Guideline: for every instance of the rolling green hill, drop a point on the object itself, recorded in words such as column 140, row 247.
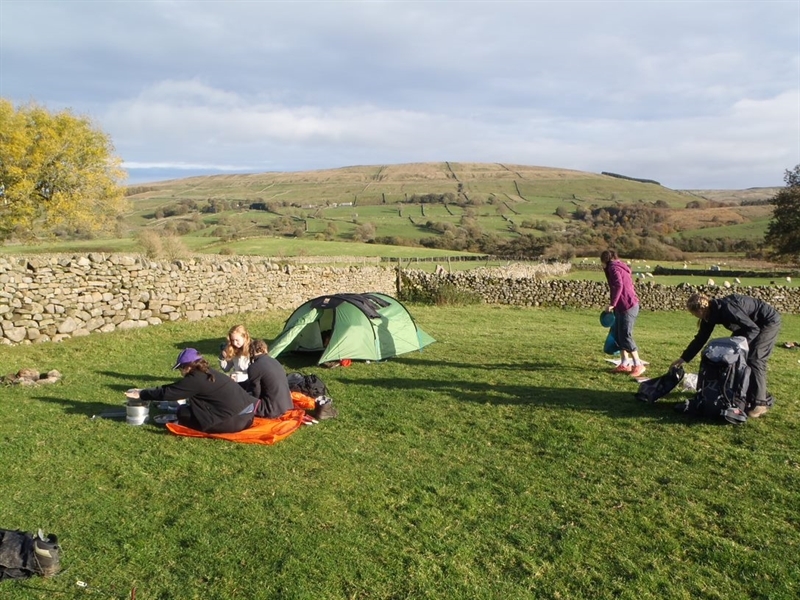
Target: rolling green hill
column 448, row 205
column 460, row 207
column 390, row 184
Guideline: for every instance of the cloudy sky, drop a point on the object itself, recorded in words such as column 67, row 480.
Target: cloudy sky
column 693, row 94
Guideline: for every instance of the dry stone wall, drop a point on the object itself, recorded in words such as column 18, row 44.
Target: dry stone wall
column 527, row 291
column 50, row 298
column 46, row 298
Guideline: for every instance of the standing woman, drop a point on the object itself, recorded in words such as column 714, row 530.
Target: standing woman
column 235, row 355
column 625, row 306
column 751, row 318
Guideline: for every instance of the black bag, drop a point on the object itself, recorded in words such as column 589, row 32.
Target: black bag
column 23, row 555
column 310, row 385
column 722, row 381
column 654, row 389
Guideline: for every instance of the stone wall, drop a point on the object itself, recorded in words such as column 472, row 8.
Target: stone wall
column 50, row 298
column 54, row 297
column 526, row 291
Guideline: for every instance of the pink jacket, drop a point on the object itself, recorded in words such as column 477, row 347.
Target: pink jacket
column 620, row 283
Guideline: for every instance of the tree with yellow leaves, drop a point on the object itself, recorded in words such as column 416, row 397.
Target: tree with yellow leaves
column 57, row 170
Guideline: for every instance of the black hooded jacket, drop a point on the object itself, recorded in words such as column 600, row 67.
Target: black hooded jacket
column 212, row 402
column 267, row 381
column 742, row 315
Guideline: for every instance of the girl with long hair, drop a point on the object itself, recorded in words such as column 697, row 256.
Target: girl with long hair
column 235, row 356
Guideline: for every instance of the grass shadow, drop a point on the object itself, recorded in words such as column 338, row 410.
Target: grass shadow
column 491, row 366
column 73, row 407
column 209, row 348
column 615, row 404
column 96, row 410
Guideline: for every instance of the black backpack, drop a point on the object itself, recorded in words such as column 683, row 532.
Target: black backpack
column 310, row 385
column 722, row 381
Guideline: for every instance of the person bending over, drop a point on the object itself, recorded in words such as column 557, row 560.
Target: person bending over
column 214, row 403
column 750, row 318
column 625, row 306
column 268, row 383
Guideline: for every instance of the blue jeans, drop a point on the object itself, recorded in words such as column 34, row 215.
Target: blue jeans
column 623, row 328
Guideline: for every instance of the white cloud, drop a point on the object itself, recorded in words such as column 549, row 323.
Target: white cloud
column 689, row 93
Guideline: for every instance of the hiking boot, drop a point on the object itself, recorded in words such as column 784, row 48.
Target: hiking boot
column 324, row 409
column 757, row 411
column 46, row 552
column 620, row 368
column 638, row 370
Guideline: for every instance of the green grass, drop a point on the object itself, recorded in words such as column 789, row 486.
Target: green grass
column 503, row 461
column 753, row 230
column 275, row 247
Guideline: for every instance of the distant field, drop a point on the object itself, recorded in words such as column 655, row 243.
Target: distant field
column 275, row 247
column 752, row 230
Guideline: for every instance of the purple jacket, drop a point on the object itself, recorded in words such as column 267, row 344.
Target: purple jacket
column 623, row 295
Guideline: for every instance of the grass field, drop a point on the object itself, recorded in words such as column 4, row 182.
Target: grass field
column 503, row 461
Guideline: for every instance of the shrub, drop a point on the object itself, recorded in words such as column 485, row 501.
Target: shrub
column 173, row 247
column 150, row 241
column 443, row 294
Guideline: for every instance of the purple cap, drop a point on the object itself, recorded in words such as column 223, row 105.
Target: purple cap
column 187, row 355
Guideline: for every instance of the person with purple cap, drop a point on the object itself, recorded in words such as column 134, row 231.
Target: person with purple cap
column 214, row 403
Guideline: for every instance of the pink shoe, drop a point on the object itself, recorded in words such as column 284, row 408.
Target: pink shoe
column 638, row 370
column 620, row 368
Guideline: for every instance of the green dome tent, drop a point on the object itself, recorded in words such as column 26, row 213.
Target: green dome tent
column 360, row 327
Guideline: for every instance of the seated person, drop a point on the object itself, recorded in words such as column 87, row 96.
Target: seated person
column 234, row 357
column 268, row 383
column 214, row 403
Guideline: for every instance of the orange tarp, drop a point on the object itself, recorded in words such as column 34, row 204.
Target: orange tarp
column 262, row 431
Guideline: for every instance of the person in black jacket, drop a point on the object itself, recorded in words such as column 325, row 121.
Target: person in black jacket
column 268, row 383
column 215, row 403
column 750, row 318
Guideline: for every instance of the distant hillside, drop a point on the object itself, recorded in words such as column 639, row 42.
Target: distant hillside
column 477, row 207
column 392, row 183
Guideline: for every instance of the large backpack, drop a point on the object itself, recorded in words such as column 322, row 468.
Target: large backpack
column 722, row 381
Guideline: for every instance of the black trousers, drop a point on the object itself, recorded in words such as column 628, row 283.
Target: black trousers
column 760, row 350
column 232, row 425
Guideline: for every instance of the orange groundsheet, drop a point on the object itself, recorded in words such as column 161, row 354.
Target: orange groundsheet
column 263, row 431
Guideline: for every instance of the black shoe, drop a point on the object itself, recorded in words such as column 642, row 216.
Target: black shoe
column 46, row 554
